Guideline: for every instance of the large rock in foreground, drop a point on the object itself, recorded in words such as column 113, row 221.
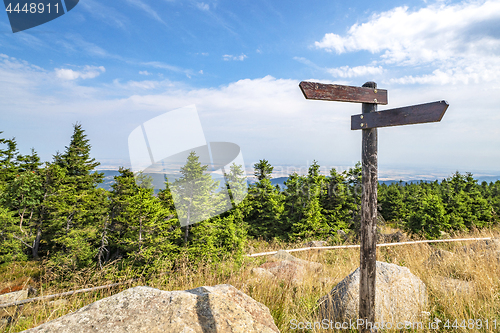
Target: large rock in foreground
column 221, row 308
column 400, row 296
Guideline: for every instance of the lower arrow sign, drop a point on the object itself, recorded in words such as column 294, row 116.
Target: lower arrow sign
column 415, row 114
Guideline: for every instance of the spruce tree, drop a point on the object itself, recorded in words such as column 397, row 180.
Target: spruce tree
column 195, row 194
column 113, row 243
column 464, row 202
column 263, row 170
column 266, row 202
column 12, row 248
column 494, row 199
column 166, row 198
column 77, row 162
column 353, row 187
column 293, row 202
column 429, row 217
column 150, row 229
column 29, row 162
column 8, row 161
column 51, row 178
column 391, row 204
column 78, row 208
column 336, row 203
column 311, row 222
column 22, row 196
column 141, row 227
column 233, row 230
column 236, row 184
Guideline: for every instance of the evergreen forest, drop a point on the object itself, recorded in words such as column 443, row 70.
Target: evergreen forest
column 55, row 212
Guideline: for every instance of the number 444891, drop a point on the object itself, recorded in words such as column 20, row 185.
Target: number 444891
column 33, row 8
column 471, row 324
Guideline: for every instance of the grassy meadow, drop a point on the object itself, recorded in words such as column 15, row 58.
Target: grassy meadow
column 287, row 302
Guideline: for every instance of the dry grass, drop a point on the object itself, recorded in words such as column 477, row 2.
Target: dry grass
column 287, row 301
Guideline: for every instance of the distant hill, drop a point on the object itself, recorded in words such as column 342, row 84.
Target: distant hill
column 110, row 174
column 481, row 179
column 275, row 181
column 108, row 179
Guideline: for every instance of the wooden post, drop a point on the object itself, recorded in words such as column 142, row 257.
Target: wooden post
column 368, row 219
column 368, row 122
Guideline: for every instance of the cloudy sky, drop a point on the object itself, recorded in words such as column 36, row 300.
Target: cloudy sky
column 113, row 65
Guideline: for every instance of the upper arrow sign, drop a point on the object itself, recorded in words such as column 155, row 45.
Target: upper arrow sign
column 335, row 92
column 415, row 114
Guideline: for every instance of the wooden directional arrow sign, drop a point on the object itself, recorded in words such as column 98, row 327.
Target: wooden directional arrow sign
column 415, row 114
column 334, row 92
column 368, row 122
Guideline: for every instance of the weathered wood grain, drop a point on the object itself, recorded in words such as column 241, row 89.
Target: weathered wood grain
column 415, row 114
column 334, row 92
column 369, row 121
column 368, row 248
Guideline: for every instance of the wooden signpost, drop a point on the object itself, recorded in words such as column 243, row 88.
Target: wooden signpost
column 368, row 121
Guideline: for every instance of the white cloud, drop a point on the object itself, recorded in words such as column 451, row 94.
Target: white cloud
column 473, row 73
column 228, row 57
column 145, row 73
column 344, row 71
column 306, row 62
column 106, row 14
column 88, row 72
column 136, row 86
column 147, row 9
column 451, row 38
column 267, row 117
column 348, row 72
column 203, row 6
column 158, row 64
column 75, row 40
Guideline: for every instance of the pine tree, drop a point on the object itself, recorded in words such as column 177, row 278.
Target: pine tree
column 236, row 184
column 311, row 222
column 429, row 217
column 141, row 227
column 29, row 162
column 233, row 230
column 78, row 208
column 51, row 179
column 77, row 162
column 23, row 196
column 149, row 231
column 391, row 203
column 8, row 162
column 113, row 243
column 11, row 247
column 353, row 187
column 293, row 202
column 494, row 199
column 464, row 203
column 263, row 170
column 335, row 202
column 166, row 198
column 195, row 194
column 266, row 202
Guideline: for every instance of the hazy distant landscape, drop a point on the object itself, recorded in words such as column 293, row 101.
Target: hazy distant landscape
column 110, row 174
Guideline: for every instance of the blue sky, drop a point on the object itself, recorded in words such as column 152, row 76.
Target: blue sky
column 113, row 65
